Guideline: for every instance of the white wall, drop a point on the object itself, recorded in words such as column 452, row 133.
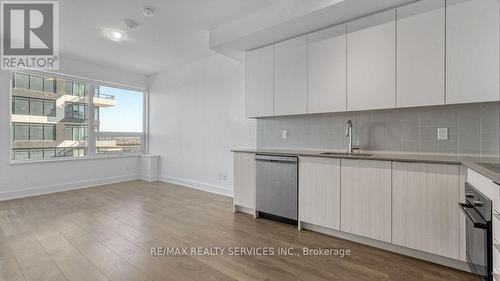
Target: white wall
column 17, row 180
column 197, row 115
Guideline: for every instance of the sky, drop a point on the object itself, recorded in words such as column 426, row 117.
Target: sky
column 126, row 116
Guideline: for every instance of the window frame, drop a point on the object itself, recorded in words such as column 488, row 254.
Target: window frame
column 91, row 149
column 39, row 74
column 29, row 112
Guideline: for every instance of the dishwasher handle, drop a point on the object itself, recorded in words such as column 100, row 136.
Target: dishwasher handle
column 273, row 158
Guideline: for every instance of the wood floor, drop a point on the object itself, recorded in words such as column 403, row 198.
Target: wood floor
column 106, row 233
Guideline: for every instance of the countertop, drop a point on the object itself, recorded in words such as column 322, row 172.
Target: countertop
column 470, row 162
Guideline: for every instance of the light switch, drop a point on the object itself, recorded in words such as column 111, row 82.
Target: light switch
column 442, row 133
column 284, row 134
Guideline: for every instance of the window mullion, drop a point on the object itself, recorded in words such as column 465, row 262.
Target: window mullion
column 91, row 141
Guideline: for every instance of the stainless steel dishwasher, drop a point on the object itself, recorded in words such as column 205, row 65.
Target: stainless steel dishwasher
column 276, row 187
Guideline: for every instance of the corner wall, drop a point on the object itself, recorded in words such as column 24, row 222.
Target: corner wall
column 27, row 179
column 197, row 115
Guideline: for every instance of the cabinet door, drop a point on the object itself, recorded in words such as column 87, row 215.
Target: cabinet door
column 420, row 53
column 371, row 62
column 319, row 191
column 290, row 76
column 327, row 70
column 472, row 51
column 244, row 180
column 366, row 198
column 425, row 215
column 259, row 82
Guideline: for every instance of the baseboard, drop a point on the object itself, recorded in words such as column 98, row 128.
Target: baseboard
column 198, row 185
column 244, row 210
column 449, row 262
column 149, row 178
column 34, row 191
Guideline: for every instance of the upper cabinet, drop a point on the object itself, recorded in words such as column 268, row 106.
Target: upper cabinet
column 472, row 51
column 371, row 62
column 259, row 82
column 290, row 76
column 420, row 54
column 430, row 52
column 327, row 70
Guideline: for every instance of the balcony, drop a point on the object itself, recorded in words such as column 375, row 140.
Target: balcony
column 103, row 100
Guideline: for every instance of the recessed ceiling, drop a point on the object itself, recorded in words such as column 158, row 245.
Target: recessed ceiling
column 176, row 34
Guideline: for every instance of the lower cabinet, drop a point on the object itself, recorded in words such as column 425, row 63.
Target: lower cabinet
column 244, row 179
column 366, row 198
column 319, row 191
column 425, row 209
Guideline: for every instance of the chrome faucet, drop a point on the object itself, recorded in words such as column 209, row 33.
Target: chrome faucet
column 348, row 133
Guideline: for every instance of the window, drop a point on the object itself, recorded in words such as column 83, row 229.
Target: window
column 21, row 132
column 49, row 85
column 36, row 132
column 49, row 153
column 76, row 133
column 33, row 154
column 75, row 110
column 49, row 132
column 120, row 127
column 33, row 132
column 21, row 154
column 21, row 81
column 49, row 108
column 36, row 107
column 97, row 119
column 20, row 106
column 36, row 154
column 34, row 82
column 74, row 88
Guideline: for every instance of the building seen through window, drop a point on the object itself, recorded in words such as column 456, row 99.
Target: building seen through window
column 51, row 117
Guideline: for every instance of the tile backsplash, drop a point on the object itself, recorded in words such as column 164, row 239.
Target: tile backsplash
column 473, row 129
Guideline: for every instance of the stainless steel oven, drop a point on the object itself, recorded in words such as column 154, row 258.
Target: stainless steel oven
column 477, row 209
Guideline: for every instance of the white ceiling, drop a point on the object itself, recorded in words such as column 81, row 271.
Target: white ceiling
column 180, row 30
column 178, row 33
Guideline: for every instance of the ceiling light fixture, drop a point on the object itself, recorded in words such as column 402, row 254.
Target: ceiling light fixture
column 148, row 12
column 114, row 34
column 130, row 24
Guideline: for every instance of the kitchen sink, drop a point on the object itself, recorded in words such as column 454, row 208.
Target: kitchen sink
column 346, row 154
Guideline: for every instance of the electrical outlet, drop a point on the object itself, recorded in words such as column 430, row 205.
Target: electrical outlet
column 442, row 133
column 284, row 134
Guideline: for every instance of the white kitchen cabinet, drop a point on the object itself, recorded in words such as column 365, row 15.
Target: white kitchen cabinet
column 244, row 180
column 319, row 191
column 371, row 62
column 425, row 213
column 472, row 51
column 366, row 198
column 290, row 76
column 327, row 70
column 421, row 54
column 259, row 83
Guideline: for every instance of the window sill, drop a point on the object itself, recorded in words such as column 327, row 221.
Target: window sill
column 64, row 159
